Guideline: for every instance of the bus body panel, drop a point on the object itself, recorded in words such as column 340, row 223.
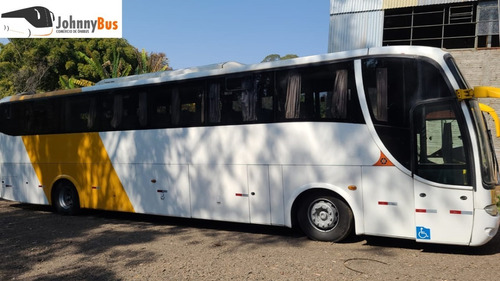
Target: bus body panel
column 388, row 202
column 260, row 194
column 312, row 143
column 82, row 159
column 18, row 178
column 218, row 174
column 220, row 192
column 160, row 189
column 443, row 215
column 276, row 195
column 19, row 183
column 485, row 227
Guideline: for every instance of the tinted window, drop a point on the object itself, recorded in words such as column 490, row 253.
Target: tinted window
column 318, row 93
column 241, row 99
column 80, row 114
column 187, row 104
column 313, row 93
column 392, row 87
column 441, row 155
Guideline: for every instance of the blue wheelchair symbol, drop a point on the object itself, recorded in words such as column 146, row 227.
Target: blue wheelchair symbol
column 423, row 233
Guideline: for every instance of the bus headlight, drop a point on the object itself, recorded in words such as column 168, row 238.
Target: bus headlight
column 491, row 210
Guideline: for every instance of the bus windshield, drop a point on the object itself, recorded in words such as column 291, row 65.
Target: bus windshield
column 488, row 161
column 489, row 165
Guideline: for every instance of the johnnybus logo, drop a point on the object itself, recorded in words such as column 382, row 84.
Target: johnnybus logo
column 84, row 26
column 62, row 20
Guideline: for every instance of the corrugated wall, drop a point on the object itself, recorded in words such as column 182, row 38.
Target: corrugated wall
column 358, row 24
column 353, row 6
column 355, row 31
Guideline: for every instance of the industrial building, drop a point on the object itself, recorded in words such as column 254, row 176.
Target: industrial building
column 467, row 29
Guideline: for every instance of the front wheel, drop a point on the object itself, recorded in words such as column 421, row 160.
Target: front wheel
column 65, row 199
column 325, row 217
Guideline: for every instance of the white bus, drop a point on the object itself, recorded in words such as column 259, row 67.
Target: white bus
column 386, row 141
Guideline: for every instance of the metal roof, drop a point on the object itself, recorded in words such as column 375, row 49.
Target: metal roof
column 354, row 6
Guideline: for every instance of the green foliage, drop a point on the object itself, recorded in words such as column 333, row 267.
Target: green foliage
column 106, row 58
column 153, row 62
column 71, row 83
column 276, row 57
column 289, row 56
column 41, row 65
column 38, row 64
column 94, row 63
column 66, row 82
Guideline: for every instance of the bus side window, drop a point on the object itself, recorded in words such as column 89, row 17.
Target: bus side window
column 265, row 94
column 318, row 93
column 214, row 102
column 293, row 90
column 239, row 100
column 378, row 95
column 132, row 102
column 13, row 121
column 6, row 123
column 42, row 117
column 29, row 118
column 142, row 109
column 336, row 102
column 390, row 85
column 79, row 114
column 440, row 150
column 105, row 111
column 117, row 110
column 187, row 105
column 159, row 108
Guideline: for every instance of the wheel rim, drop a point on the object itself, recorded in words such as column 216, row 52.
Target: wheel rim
column 65, row 198
column 323, row 215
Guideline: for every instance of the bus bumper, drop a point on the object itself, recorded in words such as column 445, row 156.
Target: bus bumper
column 485, row 227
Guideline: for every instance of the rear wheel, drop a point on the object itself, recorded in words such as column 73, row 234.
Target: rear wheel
column 65, row 198
column 325, row 218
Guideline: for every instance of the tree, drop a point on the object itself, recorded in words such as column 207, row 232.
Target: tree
column 110, row 58
column 117, row 68
column 276, row 57
column 39, row 64
column 153, row 62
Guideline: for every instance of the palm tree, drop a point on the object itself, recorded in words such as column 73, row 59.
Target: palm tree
column 153, row 62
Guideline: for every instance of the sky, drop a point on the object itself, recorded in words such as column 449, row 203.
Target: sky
column 200, row 32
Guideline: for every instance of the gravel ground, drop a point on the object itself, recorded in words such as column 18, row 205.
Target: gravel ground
column 36, row 244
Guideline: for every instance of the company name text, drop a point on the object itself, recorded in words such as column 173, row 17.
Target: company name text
column 99, row 24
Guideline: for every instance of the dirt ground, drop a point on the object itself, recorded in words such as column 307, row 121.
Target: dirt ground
column 37, row 244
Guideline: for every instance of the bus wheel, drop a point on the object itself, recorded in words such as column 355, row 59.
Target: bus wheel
column 325, row 217
column 65, row 198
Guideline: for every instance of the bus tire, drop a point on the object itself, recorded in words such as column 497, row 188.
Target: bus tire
column 324, row 217
column 65, row 198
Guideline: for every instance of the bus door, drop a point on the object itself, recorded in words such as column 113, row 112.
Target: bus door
column 443, row 188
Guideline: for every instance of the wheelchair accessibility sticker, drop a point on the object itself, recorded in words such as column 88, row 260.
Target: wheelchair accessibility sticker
column 423, row 233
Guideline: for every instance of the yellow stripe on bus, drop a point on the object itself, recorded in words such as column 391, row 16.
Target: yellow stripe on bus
column 82, row 159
